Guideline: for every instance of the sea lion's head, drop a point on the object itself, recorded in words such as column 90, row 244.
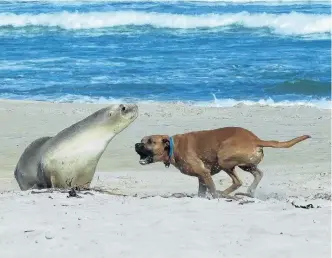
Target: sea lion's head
column 114, row 118
column 153, row 148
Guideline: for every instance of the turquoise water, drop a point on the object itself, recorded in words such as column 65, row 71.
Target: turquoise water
column 211, row 52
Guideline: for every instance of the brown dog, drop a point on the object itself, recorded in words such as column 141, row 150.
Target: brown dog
column 205, row 153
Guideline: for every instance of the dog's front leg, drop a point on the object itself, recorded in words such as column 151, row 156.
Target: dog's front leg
column 201, row 188
column 196, row 167
column 208, row 182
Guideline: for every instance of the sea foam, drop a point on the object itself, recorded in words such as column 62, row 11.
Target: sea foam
column 322, row 103
column 287, row 24
column 260, row 2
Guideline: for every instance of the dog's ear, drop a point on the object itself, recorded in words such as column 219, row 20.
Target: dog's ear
column 166, row 143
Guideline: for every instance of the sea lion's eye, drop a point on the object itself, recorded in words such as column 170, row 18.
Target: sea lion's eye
column 149, row 141
column 110, row 114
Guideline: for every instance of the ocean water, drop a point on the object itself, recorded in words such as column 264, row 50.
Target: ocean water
column 209, row 52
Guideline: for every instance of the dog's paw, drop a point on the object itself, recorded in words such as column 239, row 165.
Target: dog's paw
column 244, row 194
column 221, row 194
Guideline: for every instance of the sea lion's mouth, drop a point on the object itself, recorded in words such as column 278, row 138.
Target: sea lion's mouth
column 146, row 156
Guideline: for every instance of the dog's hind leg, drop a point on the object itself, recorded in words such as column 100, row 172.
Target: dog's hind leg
column 258, row 175
column 236, row 182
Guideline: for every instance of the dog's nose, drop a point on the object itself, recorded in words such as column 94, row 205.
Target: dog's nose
column 139, row 146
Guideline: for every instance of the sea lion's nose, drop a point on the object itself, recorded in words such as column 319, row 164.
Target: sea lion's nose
column 122, row 107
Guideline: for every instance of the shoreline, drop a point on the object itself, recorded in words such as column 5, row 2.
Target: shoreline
column 322, row 103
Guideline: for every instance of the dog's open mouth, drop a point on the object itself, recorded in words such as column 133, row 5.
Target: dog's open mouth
column 144, row 159
column 146, row 156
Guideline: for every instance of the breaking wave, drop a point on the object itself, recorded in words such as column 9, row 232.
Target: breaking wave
column 261, row 2
column 287, row 24
column 179, row 1
column 322, row 103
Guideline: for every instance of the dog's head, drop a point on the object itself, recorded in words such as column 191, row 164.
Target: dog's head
column 153, row 148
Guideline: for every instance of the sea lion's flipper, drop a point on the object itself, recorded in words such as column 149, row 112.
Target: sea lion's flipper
column 27, row 168
column 44, row 180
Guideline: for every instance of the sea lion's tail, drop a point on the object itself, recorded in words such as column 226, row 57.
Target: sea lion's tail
column 287, row 144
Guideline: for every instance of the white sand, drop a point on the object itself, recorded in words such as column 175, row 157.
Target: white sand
column 100, row 225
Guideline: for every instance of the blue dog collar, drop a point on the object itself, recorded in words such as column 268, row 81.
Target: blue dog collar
column 171, row 147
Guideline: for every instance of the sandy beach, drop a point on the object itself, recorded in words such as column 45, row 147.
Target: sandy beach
column 100, row 225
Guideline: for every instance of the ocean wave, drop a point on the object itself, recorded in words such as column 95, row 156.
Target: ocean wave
column 302, row 87
column 288, row 24
column 261, row 2
column 322, row 103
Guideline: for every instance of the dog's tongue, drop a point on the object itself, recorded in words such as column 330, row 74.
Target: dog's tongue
column 143, row 161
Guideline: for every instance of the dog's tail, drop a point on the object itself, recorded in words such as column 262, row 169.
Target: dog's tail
column 287, row 144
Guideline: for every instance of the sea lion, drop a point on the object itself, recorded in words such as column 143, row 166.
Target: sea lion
column 69, row 159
